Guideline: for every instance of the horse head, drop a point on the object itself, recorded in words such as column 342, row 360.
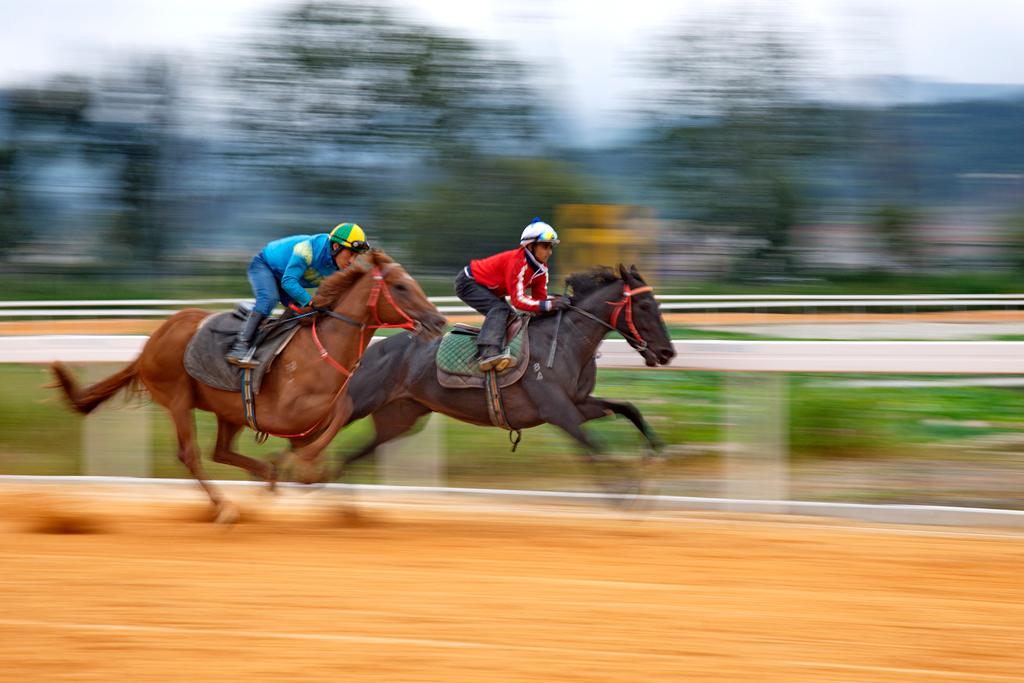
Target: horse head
column 639, row 319
column 390, row 296
column 634, row 314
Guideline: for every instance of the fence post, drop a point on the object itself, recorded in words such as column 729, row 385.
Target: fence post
column 417, row 459
column 757, row 436
column 116, row 437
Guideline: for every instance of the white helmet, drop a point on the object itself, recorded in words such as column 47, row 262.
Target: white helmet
column 538, row 231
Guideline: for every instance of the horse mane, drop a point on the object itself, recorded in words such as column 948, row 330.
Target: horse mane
column 334, row 286
column 589, row 281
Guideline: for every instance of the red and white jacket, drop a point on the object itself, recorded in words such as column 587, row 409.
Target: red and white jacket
column 511, row 274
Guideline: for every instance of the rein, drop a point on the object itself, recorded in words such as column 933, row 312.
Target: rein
column 379, row 286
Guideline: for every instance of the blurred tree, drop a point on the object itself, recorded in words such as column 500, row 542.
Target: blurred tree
column 11, row 230
column 38, row 125
column 734, row 120
column 134, row 135
column 344, row 98
column 895, row 226
column 1013, row 226
column 482, row 207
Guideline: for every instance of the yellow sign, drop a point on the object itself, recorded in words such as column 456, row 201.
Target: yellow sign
column 604, row 235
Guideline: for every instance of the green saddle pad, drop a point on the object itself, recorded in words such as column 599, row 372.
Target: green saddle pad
column 457, row 354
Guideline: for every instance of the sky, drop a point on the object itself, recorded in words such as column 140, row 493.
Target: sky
column 584, row 46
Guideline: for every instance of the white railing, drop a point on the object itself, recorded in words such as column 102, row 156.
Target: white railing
column 892, row 357
column 94, row 308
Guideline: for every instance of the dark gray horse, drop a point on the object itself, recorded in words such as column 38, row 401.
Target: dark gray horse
column 397, row 383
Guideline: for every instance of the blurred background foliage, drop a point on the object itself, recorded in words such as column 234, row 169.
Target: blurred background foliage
column 737, row 162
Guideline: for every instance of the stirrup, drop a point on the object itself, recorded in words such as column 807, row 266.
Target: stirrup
column 244, row 361
column 498, row 363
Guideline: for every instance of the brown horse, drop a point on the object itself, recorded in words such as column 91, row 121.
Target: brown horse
column 299, row 391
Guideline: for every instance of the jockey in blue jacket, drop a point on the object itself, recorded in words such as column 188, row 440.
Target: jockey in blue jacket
column 286, row 267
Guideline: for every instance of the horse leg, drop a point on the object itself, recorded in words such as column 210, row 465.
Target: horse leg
column 593, row 407
column 304, row 455
column 389, row 422
column 188, row 454
column 223, row 453
column 557, row 408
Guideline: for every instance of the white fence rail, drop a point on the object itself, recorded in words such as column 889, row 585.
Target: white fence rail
column 94, row 308
column 938, row 357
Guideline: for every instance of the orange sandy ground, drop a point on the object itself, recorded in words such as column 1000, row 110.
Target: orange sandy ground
column 145, row 326
column 432, row 591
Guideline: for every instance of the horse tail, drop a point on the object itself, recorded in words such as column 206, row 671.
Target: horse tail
column 86, row 400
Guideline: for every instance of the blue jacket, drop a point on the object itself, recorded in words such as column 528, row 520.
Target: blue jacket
column 298, row 262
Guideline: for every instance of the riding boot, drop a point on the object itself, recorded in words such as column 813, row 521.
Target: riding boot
column 491, row 340
column 238, row 355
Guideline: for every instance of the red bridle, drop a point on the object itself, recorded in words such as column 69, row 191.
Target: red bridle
column 380, row 286
column 626, row 303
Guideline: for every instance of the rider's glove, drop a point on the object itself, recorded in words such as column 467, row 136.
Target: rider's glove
column 559, row 303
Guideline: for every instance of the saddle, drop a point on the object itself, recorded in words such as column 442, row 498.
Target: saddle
column 204, row 356
column 457, row 363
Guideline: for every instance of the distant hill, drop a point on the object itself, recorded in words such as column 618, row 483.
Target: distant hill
column 890, row 91
column 956, row 153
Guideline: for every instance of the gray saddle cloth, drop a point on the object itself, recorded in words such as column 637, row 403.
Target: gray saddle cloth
column 204, row 356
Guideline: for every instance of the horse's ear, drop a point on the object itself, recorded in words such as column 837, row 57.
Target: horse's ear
column 623, row 274
column 634, row 272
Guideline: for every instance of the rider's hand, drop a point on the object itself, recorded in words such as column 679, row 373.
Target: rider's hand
column 300, row 312
column 559, row 303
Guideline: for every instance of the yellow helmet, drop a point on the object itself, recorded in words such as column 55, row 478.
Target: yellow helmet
column 350, row 236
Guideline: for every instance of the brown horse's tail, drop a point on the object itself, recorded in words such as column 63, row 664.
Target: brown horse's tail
column 86, row 400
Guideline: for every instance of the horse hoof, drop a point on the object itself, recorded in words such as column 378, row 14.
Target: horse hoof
column 309, row 472
column 653, row 459
column 272, row 478
column 226, row 514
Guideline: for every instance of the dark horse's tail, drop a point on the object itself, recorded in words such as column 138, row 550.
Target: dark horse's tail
column 86, row 400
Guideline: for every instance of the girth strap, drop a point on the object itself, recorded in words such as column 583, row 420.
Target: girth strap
column 496, row 408
column 249, row 405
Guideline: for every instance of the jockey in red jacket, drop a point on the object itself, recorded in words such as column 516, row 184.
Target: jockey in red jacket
column 521, row 275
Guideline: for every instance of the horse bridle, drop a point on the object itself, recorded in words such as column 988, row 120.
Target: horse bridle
column 625, row 303
column 380, row 286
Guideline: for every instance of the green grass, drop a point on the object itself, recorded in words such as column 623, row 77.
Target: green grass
column 38, row 435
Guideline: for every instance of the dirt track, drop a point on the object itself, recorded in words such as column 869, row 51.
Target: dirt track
column 462, row 592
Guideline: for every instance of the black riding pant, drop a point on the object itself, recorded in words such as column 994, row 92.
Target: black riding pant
column 495, row 309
